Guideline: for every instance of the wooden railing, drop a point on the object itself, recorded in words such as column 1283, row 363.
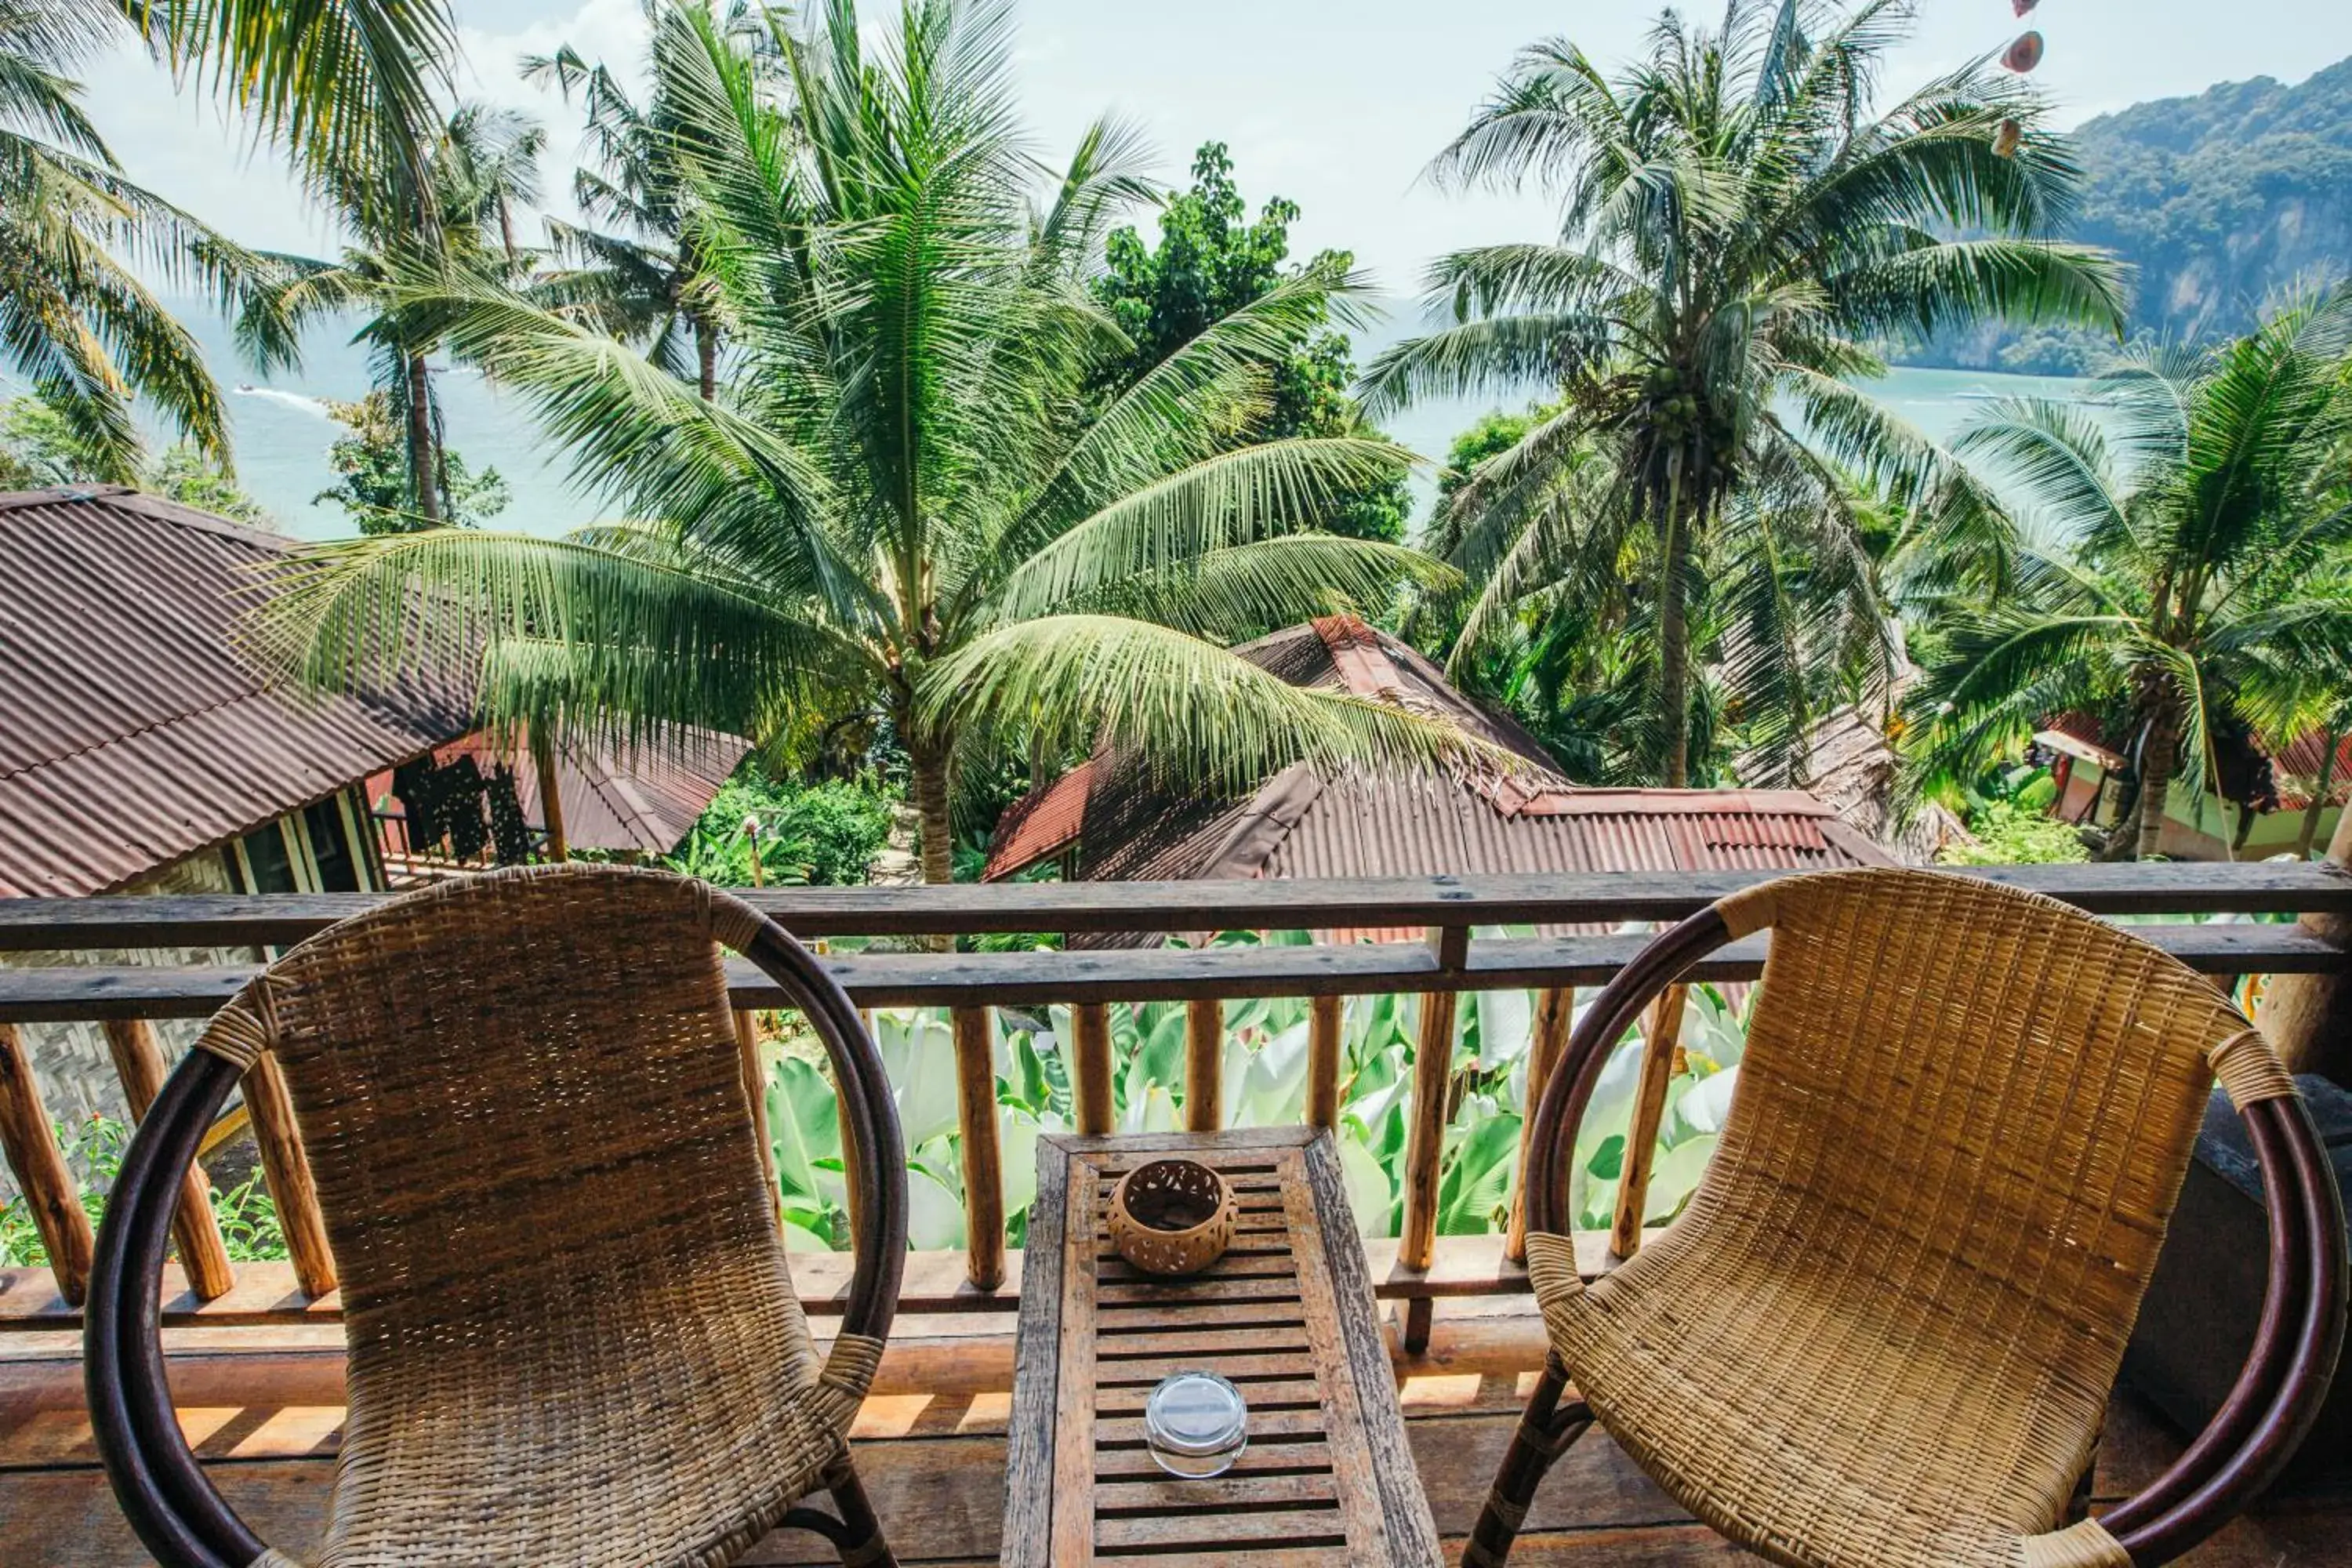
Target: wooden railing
column 1415, row 1268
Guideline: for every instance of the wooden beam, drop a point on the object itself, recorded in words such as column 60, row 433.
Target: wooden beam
column 288, row 1169
column 1601, row 898
column 30, row 1141
column 75, row 993
column 983, row 1157
column 1325, row 1017
column 1090, row 1069
column 755, row 1090
column 1662, row 1036
column 1555, row 1011
column 1204, row 1064
column 139, row 1066
column 550, row 793
column 2309, row 1017
column 1433, row 1072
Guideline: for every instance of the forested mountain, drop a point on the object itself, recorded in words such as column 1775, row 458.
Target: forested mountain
column 2220, row 201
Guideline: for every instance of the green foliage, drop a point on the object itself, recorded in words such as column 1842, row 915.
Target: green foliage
column 40, row 446
column 1743, row 215
column 826, row 833
column 1210, row 262
column 373, row 460
column 248, row 1220
column 2014, row 833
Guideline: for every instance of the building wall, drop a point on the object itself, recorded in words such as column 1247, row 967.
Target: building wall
column 2201, row 829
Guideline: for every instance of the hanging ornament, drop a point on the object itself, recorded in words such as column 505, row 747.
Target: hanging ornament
column 2023, row 6
column 2024, row 54
column 2006, row 139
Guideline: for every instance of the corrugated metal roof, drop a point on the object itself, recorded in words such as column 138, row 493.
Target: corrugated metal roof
column 131, row 733
column 2296, row 768
column 646, row 799
column 1299, row 824
column 1041, row 824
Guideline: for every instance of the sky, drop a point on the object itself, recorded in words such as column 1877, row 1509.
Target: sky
column 1341, row 115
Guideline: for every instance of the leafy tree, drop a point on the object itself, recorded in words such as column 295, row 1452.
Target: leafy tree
column 2201, row 573
column 1211, row 261
column 903, row 498
column 373, row 488
column 40, row 446
column 481, row 164
column 1740, row 219
column 2009, row 833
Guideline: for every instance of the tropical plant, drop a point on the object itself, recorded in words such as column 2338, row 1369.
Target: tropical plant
column 826, row 833
column 2189, row 566
column 371, row 462
column 41, row 446
column 1210, row 261
column 1741, row 218
column 902, row 499
column 477, row 168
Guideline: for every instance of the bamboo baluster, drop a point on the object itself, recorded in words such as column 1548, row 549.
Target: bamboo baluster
column 1204, row 1064
column 30, row 1141
column 1323, row 1015
column 1555, row 1009
column 204, row 1257
column 2309, row 1017
column 755, row 1090
column 1090, row 1066
column 1432, row 1070
column 550, row 793
column 983, row 1158
column 288, row 1168
column 1661, row 1050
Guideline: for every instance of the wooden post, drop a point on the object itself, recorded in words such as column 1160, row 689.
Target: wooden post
column 1090, row 1066
column 983, row 1158
column 288, row 1169
column 755, row 1090
column 204, row 1257
column 1323, row 1020
column 1432, row 1072
column 1661, row 1044
column 1204, row 1064
column 30, row 1141
column 2309, row 1017
column 1554, row 1010
column 550, row 793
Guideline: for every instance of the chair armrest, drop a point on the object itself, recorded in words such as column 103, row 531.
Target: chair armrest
column 2286, row 1377
column 172, row 1506
column 880, row 1175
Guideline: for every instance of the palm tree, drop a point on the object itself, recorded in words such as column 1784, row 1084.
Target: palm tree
column 2195, row 565
column 908, row 496
column 632, row 270
column 336, row 81
column 1741, row 222
column 481, row 164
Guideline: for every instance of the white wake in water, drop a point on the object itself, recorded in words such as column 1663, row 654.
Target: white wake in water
column 311, row 405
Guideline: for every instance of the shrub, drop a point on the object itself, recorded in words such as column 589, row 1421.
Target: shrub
column 826, row 833
column 2012, row 833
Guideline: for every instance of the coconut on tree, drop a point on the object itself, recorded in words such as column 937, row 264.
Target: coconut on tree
column 911, row 493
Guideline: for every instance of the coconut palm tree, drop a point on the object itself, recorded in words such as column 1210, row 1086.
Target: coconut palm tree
column 908, row 495
column 631, row 268
column 481, row 165
column 2194, row 562
column 1742, row 219
column 338, row 82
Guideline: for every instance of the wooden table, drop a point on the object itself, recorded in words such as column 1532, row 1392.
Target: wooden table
column 1286, row 1314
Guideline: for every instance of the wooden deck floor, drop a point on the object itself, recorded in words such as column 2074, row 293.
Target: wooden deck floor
column 265, row 1413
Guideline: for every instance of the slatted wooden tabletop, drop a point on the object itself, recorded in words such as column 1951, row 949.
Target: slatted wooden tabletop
column 1286, row 1314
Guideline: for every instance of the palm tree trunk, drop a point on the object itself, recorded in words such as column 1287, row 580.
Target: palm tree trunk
column 930, row 766
column 1673, row 643
column 706, row 351
column 2318, row 799
column 424, row 468
column 2156, row 759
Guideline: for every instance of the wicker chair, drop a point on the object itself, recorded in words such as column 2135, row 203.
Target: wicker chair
column 572, row 1335
column 1883, row 1332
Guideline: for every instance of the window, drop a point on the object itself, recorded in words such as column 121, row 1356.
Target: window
column 331, row 847
column 268, row 860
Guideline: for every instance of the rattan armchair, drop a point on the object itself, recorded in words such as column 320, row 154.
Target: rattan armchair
column 572, row 1335
column 1883, row 1331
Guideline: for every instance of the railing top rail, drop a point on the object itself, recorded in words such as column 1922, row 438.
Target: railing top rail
column 1569, row 898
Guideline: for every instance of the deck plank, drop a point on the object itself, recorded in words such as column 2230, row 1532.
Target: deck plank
column 931, row 1444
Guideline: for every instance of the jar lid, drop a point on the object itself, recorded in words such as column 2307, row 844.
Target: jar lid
column 1195, row 1413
